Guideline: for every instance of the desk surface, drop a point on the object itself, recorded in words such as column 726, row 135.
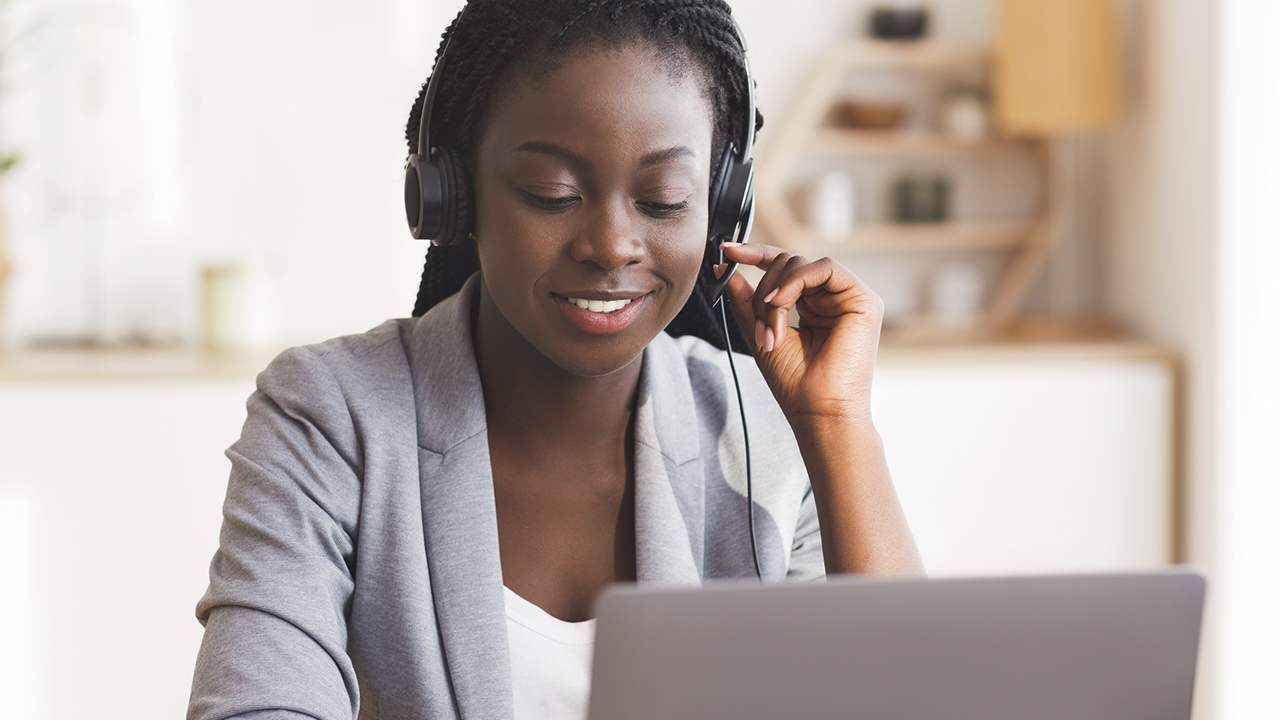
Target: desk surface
column 1132, row 350
column 126, row 364
column 189, row 364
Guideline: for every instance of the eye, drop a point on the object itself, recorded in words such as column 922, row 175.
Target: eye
column 656, row 209
column 550, row 203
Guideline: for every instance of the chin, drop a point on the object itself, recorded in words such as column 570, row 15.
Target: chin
column 595, row 359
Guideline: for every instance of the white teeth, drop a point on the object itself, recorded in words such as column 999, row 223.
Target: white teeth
column 599, row 306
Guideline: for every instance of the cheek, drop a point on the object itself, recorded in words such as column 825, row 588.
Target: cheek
column 512, row 247
column 680, row 256
column 689, row 249
column 688, row 256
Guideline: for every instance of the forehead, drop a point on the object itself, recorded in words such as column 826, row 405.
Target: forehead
column 632, row 95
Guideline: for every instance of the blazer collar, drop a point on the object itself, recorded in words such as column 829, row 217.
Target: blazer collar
column 670, row 491
column 460, row 523
column 445, row 378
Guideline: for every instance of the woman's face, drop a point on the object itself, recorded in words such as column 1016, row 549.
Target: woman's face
column 591, row 189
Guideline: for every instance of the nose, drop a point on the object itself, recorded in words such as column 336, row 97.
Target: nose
column 610, row 237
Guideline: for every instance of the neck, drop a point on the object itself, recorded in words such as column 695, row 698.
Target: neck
column 528, row 398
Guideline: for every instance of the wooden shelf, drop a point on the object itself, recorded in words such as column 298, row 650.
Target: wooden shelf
column 805, row 135
column 908, row 143
column 921, row 237
column 909, row 54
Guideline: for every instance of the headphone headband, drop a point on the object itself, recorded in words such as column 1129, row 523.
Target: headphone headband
column 437, row 196
column 429, row 101
column 749, row 129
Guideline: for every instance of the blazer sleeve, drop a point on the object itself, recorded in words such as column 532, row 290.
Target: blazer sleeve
column 280, row 584
column 806, row 563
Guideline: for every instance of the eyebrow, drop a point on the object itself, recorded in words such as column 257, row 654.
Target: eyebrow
column 546, row 148
column 656, row 157
column 660, row 156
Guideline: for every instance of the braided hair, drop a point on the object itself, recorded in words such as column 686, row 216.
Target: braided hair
column 492, row 35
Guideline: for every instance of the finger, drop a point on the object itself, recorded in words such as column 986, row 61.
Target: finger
column 766, row 305
column 739, row 294
column 754, row 254
column 825, row 289
column 808, row 278
column 758, row 320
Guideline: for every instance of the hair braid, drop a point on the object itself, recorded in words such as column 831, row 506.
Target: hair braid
column 590, row 8
column 492, row 35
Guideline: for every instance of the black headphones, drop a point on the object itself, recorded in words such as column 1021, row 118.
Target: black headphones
column 431, row 186
column 437, row 196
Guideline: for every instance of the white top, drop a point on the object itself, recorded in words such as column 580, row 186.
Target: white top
column 550, row 661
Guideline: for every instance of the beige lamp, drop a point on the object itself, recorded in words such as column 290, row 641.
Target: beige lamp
column 1056, row 77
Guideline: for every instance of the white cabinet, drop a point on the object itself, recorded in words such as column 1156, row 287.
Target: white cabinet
column 110, row 503
column 1025, row 460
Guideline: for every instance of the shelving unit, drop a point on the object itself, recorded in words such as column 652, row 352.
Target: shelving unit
column 916, row 237
column 806, row 136
column 899, row 143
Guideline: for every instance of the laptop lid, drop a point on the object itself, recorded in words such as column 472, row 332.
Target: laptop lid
column 1103, row 647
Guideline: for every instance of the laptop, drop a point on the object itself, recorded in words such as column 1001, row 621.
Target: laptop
column 1079, row 647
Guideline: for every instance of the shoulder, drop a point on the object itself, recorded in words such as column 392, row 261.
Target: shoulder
column 332, row 378
column 346, row 357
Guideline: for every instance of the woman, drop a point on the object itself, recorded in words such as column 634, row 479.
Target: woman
column 410, row 507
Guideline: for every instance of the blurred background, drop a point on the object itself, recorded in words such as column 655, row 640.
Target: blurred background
column 1069, row 206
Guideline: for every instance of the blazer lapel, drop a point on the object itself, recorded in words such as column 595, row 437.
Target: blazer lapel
column 670, row 499
column 459, row 519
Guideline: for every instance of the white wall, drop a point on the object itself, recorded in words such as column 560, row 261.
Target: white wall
column 1160, row 246
column 283, row 133
column 1248, row 343
column 1159, row 250
column 1194, row 246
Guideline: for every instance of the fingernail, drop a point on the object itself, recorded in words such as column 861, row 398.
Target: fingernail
column 768, row 339
column 769, row 298
column 719, row 270
column 760, row 330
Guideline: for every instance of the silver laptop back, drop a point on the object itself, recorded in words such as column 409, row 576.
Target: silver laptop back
column 1103, row 647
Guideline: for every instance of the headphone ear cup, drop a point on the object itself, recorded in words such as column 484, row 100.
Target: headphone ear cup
column 717, row 199
column 423, row 187
column 733, row 204
column 458, row 219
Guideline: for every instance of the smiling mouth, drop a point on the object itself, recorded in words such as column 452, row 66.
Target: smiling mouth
column 601, row 316
column 600, row 306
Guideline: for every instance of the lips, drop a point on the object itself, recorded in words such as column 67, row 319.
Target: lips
column 601, row 315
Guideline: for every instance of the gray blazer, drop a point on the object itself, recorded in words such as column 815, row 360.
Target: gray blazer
column 358, row 570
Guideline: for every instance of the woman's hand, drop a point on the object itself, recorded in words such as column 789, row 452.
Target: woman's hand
column 820, row 373
column 820, row 370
